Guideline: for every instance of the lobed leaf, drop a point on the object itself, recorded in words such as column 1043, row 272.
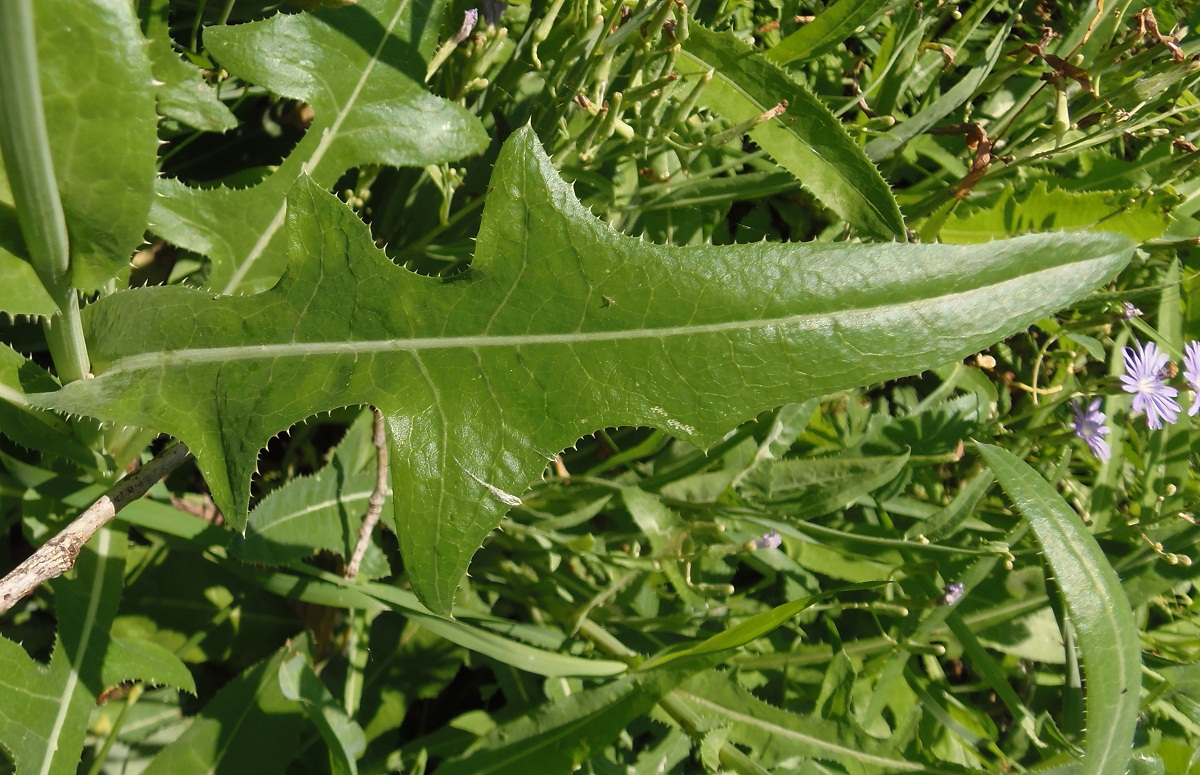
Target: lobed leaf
column 807, row 140
column 360, row 70
column 560, row 326
column 1105, row 629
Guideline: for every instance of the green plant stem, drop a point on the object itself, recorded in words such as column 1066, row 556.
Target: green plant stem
column 25, row 146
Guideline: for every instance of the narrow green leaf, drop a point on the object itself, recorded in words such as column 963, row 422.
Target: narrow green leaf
column 1106, row 631
column 825, row 33
column 362, row 76
column 343, row 736
column 499, row 647
column 752, row 628
column 963, row 89
column 946, row 521
column 249, row 726
column 485, row 377
column 558, row 737
column 807, row 140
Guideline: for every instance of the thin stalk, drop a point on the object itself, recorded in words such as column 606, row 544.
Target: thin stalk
column 25, row 146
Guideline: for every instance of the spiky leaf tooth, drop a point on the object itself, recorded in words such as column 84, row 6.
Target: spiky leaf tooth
column 360, row 70
column 483, row 378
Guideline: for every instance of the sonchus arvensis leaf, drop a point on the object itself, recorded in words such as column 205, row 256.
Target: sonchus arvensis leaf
column 560, row 326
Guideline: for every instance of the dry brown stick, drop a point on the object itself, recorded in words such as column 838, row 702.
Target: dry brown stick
column 57, row 556
column 375, row 502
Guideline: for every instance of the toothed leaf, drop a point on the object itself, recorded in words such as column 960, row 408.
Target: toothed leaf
column 360, row 70
column 1106, row 631
column 560, row 326
column 324, row 511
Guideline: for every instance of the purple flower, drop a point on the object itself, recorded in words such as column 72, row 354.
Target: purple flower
column 1145, row 376
column 952, row 593
column 1089, row 426
column 1191, row 372
column 470, row 19
column 769, row 540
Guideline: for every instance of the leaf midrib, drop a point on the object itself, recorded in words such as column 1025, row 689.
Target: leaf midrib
column 201, row 355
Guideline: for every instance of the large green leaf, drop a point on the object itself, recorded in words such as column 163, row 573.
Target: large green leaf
column 806, row 140
column 360, row 69
column 98, row 93
column 46, row 735
column 560, row 326
column 1105, row 629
